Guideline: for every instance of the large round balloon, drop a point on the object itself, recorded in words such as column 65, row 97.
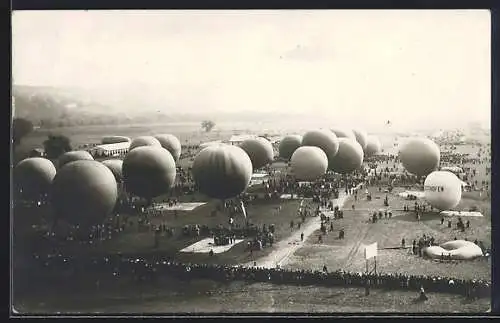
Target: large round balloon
column 349, row 156
column 288, row 145
column 341, row 132
column 373, row 146
column 114, row 139
column 260, row 151
column 170, row 143
column 443, row 190
column 84, row 192
column 33, row 177
column 222, row 171
column 309, row 163
column 324, row 139
column 72, row 156
column 420, row 156
column 115, row 166
column 148, row 172
column 144, row 141
column 361, row 137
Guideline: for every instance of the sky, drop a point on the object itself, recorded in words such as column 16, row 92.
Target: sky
column 410, row 67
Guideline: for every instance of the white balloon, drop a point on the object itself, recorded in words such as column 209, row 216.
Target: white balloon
column 443, row 190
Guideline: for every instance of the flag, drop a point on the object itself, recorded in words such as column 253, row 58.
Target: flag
column 371, row 251
column 243, row 209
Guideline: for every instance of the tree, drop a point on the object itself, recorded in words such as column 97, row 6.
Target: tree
column 56, row 145
column 20, row 128
column 208, row 125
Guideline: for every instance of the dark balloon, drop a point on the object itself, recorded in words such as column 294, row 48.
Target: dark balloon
column 115, row 166
column 288, row 145
column 343, row 132
column 149, row 172
column 33, row 176
column 84, row 192
column 114, row 140
column 324, row 139
column 144, row 141
column 260, row 151
column 349, row 157
column 170, row 143
column 361, row 137
column 373, row 146
column 222, row 171
column 309, row 163
column 420, row 156
column 71, row 156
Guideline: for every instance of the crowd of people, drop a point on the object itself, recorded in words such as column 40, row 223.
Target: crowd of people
column 142, row 269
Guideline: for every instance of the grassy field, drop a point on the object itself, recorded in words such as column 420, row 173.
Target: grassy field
column 347, row 254
column 238, row 297
column 344, row 254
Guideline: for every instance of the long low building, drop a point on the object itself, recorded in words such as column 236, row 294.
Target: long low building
column 108, row 150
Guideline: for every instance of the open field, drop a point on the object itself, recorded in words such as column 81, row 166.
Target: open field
column 237, row 297
column 347, row 254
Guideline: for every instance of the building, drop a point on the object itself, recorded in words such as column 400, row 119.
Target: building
column 238, row 139
column 110, row 150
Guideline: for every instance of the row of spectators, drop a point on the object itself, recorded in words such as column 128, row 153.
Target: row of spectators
column 142, row 269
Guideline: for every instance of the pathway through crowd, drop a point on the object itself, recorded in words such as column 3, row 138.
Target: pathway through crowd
column 286, row 248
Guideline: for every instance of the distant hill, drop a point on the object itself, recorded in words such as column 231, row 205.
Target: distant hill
column 49, row 107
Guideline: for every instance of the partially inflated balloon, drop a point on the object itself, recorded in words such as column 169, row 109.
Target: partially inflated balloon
column 373, row 146
column 72, row 156
column 144, row 141
column 115, row 166
column 288, row 145
column 114, row 140
column 222, row 171
column 260, row 151
column 309, row 163
column 361, row 137
column 149, row 172
column 443, row 190
column 341, row 132
column 33, row 177
column 84, row 192
column 420, row 156
column 324, row 139
column 349, row 156
column 170, row 143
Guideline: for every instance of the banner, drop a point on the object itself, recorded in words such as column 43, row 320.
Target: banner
column 243, row 209
column 371, row 251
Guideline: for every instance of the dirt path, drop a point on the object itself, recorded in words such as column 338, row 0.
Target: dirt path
column 286, row 248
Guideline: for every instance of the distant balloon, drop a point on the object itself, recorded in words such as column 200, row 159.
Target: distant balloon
column 260, row 151
column 361, row 137
column 115, row 166
column 75, row 155
column 349, row 156
column 84, row 192
column 33, row 176
column 222, row 171
column 373, row 146
column 443, row 190
column 309, row 163
column 170, row 143
column 420, row 156
column 324, row 139
column 148, row 171
column 288, row 145
column 343, row 132
column 144, row 141
column 114, row 140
